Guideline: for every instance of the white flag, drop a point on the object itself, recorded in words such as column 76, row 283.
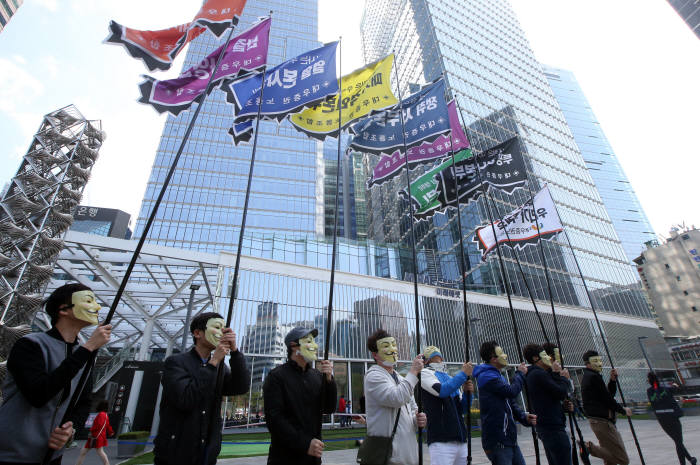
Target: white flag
column 518, row 228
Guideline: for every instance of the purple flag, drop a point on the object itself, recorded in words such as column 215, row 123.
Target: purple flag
column 245, row 54
column 390, row 165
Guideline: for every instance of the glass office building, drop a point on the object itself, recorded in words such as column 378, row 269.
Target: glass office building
column 621, row 203
column 7, row 9
column 203, row 205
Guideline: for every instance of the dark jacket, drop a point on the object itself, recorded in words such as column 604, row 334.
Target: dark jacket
column 444, row 406
column 498, row 407
column 293, row 411
column 663, row 403
column 189, row 386
column 599, row 400
column 547, row 391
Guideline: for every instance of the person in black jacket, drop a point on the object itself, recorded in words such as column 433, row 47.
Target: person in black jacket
column 668, row 414
column 601, row 408
column 294, row 395
column 548, row 385
column 186, row 435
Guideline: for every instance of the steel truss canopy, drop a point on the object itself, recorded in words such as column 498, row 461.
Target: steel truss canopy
column 158, row 290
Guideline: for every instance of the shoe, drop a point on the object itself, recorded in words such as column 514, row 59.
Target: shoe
column 693, row 461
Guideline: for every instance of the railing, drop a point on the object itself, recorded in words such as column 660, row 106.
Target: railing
column 105, row 372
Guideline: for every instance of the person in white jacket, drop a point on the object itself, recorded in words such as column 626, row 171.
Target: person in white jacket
column 387, row 393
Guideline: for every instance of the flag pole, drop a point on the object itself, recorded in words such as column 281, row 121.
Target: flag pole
column 602, row 336
column 127, row 274
column 234, row 281
column 327, row 334
column 506, row 285
column 419, row 396
column 464, row 296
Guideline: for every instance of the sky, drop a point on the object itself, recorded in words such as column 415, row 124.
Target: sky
column 636, row 60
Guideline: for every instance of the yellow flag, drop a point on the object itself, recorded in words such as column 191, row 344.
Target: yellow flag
column 364, row 91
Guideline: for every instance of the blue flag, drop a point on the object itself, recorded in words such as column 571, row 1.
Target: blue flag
column 425, row 117
column 290, row 87
column 241, row 132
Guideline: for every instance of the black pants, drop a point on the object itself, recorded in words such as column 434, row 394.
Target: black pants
column 672, row 426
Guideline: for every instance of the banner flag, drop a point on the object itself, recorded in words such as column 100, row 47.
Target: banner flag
column 301, row 82
column 241, row 132
column 245, row 54
column 219, row 15
column 158, row 49
column 424, row 194
column 425, row 117
column 520, row 225
column 365, row 91
column 502, row 167
column 390, row 165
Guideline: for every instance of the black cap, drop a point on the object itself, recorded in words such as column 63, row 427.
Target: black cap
column 297, row 333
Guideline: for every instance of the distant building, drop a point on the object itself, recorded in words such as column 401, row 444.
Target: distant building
column 670, row 273
column 686, row 354
column 387, row 313
column 102, row 221
column 7, row 10
column 689, row 10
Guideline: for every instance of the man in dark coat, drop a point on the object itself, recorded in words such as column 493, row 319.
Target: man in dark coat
column 601, row 408
column 295, row 393
column 44, row 370
column 548, row 385
column 186, row 433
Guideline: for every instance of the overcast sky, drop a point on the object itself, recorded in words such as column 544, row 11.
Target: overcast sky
column 637, row 62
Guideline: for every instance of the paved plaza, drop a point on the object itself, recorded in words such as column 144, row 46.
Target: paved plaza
column 657, row 447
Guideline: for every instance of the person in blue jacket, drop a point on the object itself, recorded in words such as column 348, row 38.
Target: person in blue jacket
column 445, row 408
column 499, row 410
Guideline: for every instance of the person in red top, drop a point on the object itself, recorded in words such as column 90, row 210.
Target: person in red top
column 98, row 434
column 341, row 409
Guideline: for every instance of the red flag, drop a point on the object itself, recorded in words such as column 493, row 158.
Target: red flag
column 158, row 49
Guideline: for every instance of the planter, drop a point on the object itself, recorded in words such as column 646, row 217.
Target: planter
column 132, row 443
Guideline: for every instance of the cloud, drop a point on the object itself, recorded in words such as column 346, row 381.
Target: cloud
column 51, row 5
column 18, row 90
column 50, row 64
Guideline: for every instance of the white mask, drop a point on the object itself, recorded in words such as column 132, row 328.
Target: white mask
column 439, row 366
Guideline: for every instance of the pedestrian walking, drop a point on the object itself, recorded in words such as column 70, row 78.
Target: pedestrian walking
column 601, row 408
column 43, row 374
column 97, row 439
column 668, row 414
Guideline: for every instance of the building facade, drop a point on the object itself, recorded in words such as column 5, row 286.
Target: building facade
column 103, row 221
column 623, row 207
column 203, row 206
column 689, row 10
column 670, row 273
column 7, row 9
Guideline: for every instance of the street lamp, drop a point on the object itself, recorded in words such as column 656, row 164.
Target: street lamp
column 639, row 339
column 183, row 344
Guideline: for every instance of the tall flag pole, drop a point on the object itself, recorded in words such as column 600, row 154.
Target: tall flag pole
column 604, row 339
column 329, row 317
column 415, row 263
column 463, row 268
column 237, row 266
column 506, row 284
column 117, row 297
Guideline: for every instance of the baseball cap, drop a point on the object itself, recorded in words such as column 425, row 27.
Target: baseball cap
column 297, row 333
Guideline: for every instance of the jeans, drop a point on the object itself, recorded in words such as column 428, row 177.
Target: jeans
column 448, row 453
column 557, row 447
column 505, row 455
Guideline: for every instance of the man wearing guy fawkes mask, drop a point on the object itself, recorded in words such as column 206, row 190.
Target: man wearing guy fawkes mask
column 601, row 408
column 445, row 406
column 189, row 390
column 548, row 385
column 43, row 374
column 295, row 394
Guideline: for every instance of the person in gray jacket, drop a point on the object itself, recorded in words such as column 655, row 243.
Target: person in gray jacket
column 43, row 373
column 388, row 394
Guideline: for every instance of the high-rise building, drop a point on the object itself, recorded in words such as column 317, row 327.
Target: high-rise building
column 204, row 203
column 7, row 10
column 623, row 207
column 689, row 10
column 481, row 51
column 102, row 221
column 671, row 275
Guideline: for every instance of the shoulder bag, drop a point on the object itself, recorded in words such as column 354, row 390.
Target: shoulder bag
column 376, row 450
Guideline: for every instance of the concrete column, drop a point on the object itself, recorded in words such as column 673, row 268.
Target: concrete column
column 156, row 413
column 138, row 375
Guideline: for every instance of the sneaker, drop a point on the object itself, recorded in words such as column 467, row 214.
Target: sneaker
column 693, row 461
